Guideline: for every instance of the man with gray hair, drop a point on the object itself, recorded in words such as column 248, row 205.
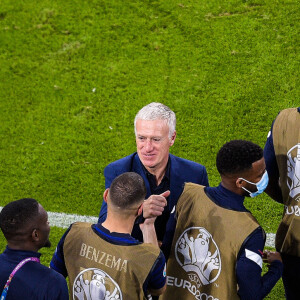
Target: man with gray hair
column 164, row 174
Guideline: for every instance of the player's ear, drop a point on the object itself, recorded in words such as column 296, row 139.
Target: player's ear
column 140, row 210
column 239, row 182
column 173, row 137
column 105, row 195
column 35, row 235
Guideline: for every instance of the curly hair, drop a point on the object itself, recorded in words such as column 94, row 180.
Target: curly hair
column 238, row 156
column 16, row 215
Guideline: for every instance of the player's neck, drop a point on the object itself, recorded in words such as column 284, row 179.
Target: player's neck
column 26, row 246
column 117, row 224
column 231, row 186
column 158, row 173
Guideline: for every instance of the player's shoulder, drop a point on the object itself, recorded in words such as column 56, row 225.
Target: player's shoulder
column 48, row 274
column 81, row 225
column 150, row 249
column 186, row 162
column 123, row 163
column 285, row 113
column 55, row 280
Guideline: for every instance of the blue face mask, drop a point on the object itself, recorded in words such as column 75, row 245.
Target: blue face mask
column 261, row 185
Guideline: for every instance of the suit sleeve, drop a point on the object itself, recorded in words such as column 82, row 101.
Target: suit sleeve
column 204, row 179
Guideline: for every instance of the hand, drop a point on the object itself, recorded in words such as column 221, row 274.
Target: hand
column 270, row 256
column 155, row 205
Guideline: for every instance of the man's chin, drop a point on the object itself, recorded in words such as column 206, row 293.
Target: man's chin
column 148, row 163
column 149, row 166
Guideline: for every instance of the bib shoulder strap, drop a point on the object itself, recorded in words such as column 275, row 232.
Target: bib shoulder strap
column 15, row 270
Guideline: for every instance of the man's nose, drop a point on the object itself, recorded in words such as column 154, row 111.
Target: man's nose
column 148, row 145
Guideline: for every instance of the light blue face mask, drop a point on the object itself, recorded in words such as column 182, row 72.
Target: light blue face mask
column 261, row 185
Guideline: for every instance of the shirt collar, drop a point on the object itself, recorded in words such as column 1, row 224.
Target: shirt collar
column 115, row 237
column 21, row 253
column 226, row 198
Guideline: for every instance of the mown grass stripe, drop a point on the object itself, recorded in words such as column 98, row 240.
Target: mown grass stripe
column 63, row 220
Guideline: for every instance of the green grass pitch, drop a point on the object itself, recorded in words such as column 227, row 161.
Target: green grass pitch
column 74, row 73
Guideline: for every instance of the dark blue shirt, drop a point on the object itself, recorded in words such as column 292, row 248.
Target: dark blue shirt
column 155, row 280
column 32, row 281
column 161, row 222
column 248, row 270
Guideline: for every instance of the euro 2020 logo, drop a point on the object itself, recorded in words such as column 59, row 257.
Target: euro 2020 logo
column 94, row 284
column 293, row 168
column 198, row 254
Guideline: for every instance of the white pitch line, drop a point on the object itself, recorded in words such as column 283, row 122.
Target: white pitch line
column 63, row 220
column 270, row 240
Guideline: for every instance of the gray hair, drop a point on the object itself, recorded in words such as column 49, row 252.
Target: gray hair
column 157, row 111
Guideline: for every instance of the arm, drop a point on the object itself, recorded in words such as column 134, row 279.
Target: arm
column 58, row 262
column 152, row 208
column 149, row 233
column 155, row 283
column 249, row 267
column 273, row 189
column 109, row 175
column 204, row 179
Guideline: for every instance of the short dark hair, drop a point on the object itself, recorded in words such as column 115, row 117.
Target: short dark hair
column 16, row 216
column 237, row 156
column 127, row 189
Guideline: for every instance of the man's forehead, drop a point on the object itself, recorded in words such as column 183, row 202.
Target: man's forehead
column 260, row 164
column 258, row 167
column 159, row 124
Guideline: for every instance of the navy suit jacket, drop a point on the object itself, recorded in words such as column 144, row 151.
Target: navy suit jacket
column 181, row 171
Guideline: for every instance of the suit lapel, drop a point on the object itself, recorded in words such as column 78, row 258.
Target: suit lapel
column 137, row 168
column 176, row 181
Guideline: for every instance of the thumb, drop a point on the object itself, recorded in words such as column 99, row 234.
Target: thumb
column 166, row 194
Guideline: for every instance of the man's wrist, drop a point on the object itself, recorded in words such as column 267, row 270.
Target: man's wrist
column 149, row 222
